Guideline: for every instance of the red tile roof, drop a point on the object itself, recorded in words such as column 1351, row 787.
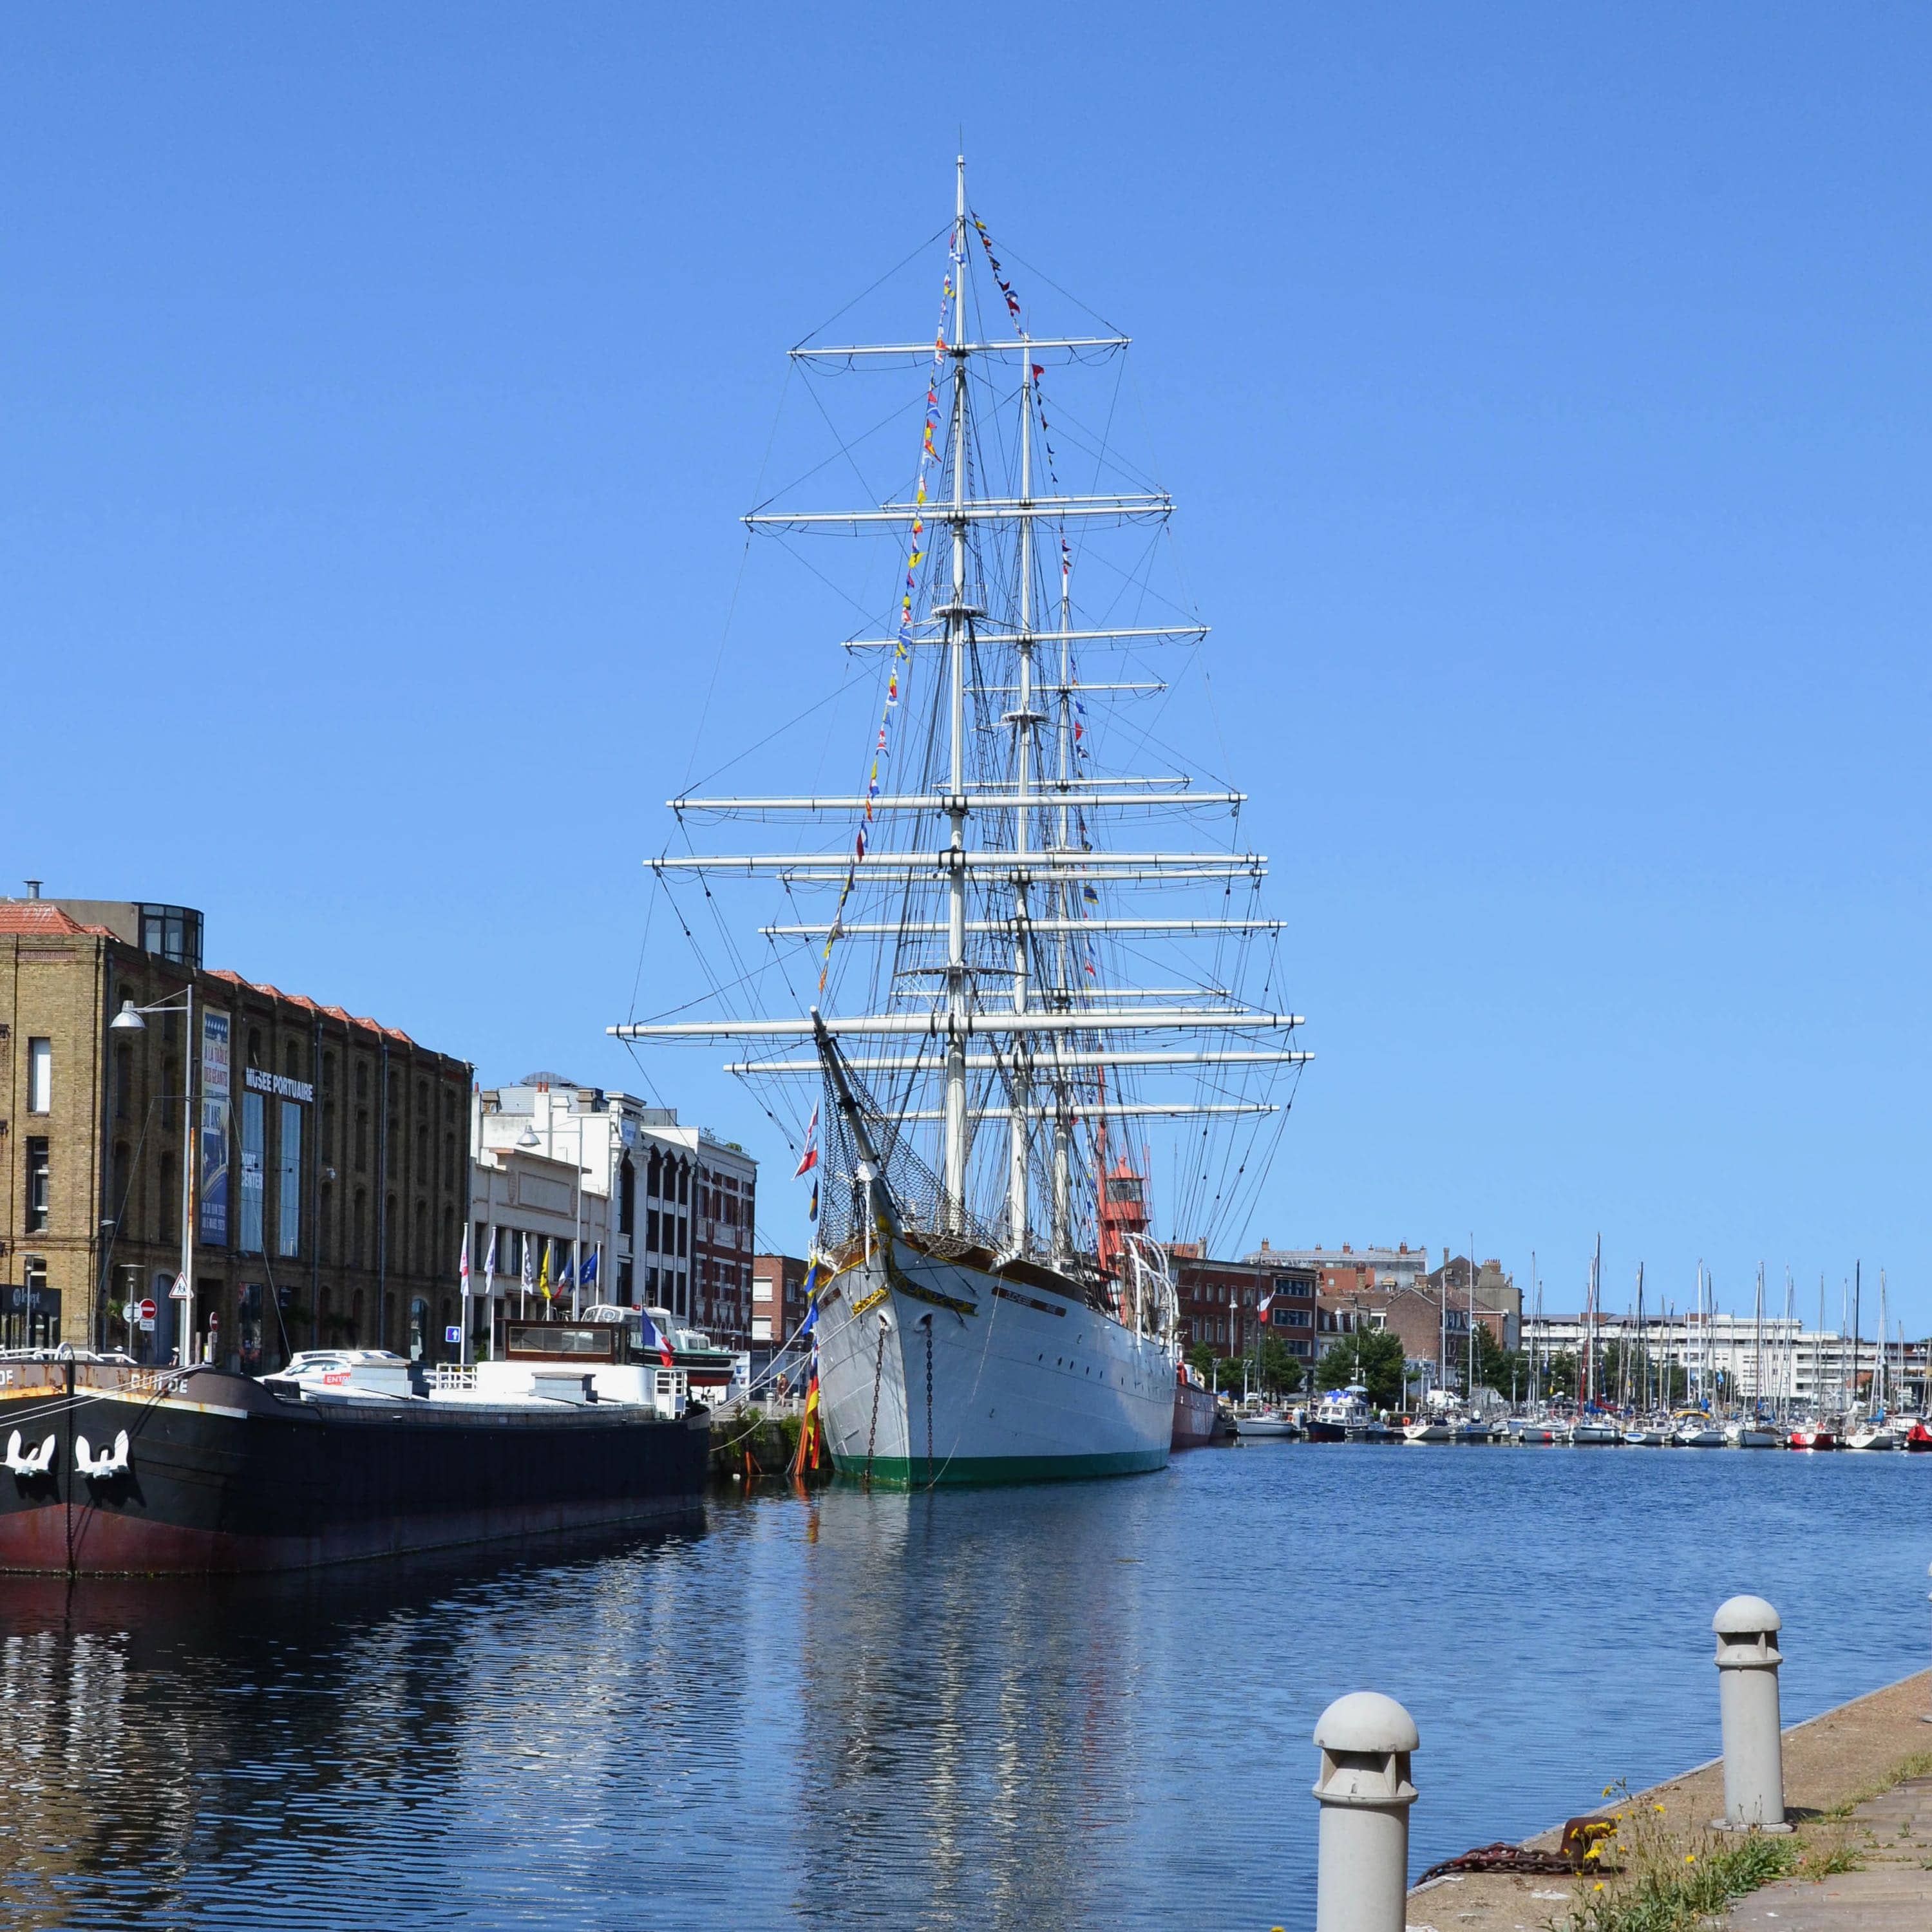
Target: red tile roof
column 38, row 916
column 308, row 1005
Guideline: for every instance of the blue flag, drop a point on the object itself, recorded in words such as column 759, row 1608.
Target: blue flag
column 586, row 1275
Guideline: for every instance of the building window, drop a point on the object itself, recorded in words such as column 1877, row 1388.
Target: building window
column 124, row 1081
column 40, row 1076
column 419, row 1328
column 36, row 1186
column 254, row 1129
column 168, row 1198
column 358, row 1231
column 683, row 1190
column 288, row 1180
column 361, row 1139
column 627, row 1196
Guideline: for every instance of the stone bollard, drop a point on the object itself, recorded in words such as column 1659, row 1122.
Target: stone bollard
column 1362, row 1874
column 1748, row 1661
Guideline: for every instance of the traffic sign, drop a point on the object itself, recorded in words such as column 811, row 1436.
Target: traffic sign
column 147, row 1313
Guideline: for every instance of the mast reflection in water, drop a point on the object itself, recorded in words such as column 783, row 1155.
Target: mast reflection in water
column 1080, row 1706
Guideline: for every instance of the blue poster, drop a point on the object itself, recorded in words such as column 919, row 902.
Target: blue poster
column 214, row 1091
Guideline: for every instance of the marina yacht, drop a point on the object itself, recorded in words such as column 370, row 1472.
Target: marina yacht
column 1537, row 1431
column 1255, row 1419
column 1876, row 1432
column 1813, row 1433
column 1750, row 1433
column 1696, row 1430
column 1594, row 1431
column 1428, row 1429
column 1650, row 1433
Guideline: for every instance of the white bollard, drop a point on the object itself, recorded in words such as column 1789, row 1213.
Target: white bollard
column 1748, row 1661
column 1362, row 1873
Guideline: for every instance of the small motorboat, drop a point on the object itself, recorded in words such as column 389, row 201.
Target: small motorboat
column 1752, row 1436
column 1473, row 1432
column 1813, row 1435
column 1918, row 1437
column 1340, row 1415
column 1646, row 1435
column 1537, row 1435
column 1595, row 1433
column 1433, row 1430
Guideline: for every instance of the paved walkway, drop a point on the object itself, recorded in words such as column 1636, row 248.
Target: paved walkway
column 1827, row 1761
column 1891, row 1891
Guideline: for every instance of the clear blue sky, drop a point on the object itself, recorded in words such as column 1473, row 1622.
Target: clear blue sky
column 1546, row 393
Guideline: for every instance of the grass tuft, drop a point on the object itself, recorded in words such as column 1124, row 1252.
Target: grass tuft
column 1660, row 1891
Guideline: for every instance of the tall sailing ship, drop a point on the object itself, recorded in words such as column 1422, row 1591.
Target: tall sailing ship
column 1002, row 973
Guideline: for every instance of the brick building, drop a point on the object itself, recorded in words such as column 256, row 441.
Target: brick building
column 1413, row 1309
column 1220, row 1301
column 1345, row 1270
column 324, row 1173
column 778, row 1298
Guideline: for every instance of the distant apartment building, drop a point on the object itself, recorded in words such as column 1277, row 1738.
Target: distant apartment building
column 1742, row 1358
column 574, row 1177
column 1430, row 1311
column 316, row 1154
column 1347, row 1270
column 778, row 1298
column 1221, row 1300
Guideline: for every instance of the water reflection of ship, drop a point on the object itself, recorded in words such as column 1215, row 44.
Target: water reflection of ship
column 957, row 1724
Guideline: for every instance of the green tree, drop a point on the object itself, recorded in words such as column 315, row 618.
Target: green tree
column 1281, row 1372
column 1372, row 1357
column 1494, row 1363
column 1558, row 1374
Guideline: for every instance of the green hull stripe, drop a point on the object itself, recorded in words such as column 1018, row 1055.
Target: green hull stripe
column 907, row 1473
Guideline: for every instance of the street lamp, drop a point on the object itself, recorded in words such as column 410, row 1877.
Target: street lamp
column 129, row 1019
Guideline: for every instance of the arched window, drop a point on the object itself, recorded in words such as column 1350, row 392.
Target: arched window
column 117, row 1199
column 419, row 1328
column 254, row 1046
column 355, row 1319
column 358, row 1231
column 420, row 1258
column 326, row 1230
column 389, row 1237
column 627, row 1195
column 652, row 1176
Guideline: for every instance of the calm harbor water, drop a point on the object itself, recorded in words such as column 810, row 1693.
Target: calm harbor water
column 1085, row 1705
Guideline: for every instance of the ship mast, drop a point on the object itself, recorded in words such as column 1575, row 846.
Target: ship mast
column 994, row 897
column 953, row 1202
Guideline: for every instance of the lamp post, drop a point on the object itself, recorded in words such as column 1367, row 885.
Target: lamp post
column 129, row 1019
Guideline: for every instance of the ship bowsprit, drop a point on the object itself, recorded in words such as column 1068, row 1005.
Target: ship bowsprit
column 938, row 1370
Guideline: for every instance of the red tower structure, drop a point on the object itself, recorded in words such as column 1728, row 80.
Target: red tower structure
column 1123, row 1212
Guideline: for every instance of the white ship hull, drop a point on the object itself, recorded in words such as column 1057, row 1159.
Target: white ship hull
column 1027, row 1384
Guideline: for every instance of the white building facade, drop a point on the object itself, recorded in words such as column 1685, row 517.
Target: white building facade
column 1782, row 1360
column 615, row 1200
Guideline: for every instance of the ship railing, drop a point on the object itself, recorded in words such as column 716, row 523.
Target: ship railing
column 451, row 1376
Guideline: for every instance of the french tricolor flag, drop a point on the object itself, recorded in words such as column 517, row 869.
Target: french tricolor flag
column 809, row 1158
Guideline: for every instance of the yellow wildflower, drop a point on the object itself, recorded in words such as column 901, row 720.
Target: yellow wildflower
column 1598, row 1886
column 1690, row 1858
column 1594, row 1852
